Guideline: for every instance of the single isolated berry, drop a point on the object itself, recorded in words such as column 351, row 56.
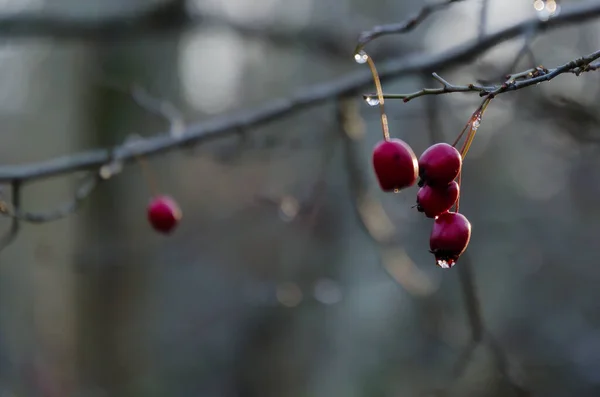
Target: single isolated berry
column 395, row 164
column 164, row 214
column 435, row 200
column 440, row 164
column 449, row 238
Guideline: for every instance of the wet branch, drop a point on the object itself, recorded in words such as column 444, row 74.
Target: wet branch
column 307, row 97
column 179, row 135
column 402, row 27
column 514, row 82
column 84, row 190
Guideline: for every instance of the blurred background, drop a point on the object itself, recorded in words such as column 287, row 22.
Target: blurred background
column 291, row 274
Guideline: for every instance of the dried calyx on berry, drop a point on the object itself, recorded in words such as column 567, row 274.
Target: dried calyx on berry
column 435, row 200
column 164, row 214
column 449, row 238
column 395, row 165
column 440, row 164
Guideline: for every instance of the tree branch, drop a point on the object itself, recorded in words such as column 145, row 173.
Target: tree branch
column 402, row 27
column 82, row 192
column 514, row 82
column 304, row 98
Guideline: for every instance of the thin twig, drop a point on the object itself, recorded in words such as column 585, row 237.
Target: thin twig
column 302, row 99
column 514, row 82
column 15, row 225
column 148, row 102
column 82, row 192
column 402, row 27
column 160, row 107
column 444, row 89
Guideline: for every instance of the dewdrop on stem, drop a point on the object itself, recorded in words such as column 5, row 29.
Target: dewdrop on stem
column 476, row 122
column 372, row 101
column 361, row 57
column 394, row 161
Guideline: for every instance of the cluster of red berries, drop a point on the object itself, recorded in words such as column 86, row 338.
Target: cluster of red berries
column 397, row 168
column 163, row 214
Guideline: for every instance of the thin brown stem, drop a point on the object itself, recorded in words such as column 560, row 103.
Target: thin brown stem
column 147, row 172
column 377, row 81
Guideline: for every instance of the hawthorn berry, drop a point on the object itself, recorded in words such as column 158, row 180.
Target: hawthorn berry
column 439, row 164
column 449, row 238
column 164, row 214
column 395, row 164
column 435, row 200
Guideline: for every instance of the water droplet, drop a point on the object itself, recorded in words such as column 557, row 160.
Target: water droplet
column 396, row 190
column 361, row 57
column 372, row 101
column 111, row 169
column 476, row 122
column 445, row 263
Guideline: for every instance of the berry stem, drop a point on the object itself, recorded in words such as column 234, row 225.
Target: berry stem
column 384, row 121
column 147, row 172
column 459, row 137
column 458, row 180
column 475, row 118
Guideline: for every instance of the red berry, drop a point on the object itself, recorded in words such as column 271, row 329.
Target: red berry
column 449, row 238
column 439, row 164
column 435, row 200
column 395, row 165
column 164, row 214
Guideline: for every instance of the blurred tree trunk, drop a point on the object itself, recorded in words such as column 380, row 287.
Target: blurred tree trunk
column 113, row 281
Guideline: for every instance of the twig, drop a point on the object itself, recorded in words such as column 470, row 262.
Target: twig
column 444, row 89
column 311, row 96
column 81, row 193
column 15, row 225
column 160, row 107
column 401, row 27
column 514, row 82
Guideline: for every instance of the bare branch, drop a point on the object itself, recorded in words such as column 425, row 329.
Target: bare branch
column 81, row 193
column 401, row 27
column 444, row 89
column 514, row 82
column 161, row 108
column 308, row 97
